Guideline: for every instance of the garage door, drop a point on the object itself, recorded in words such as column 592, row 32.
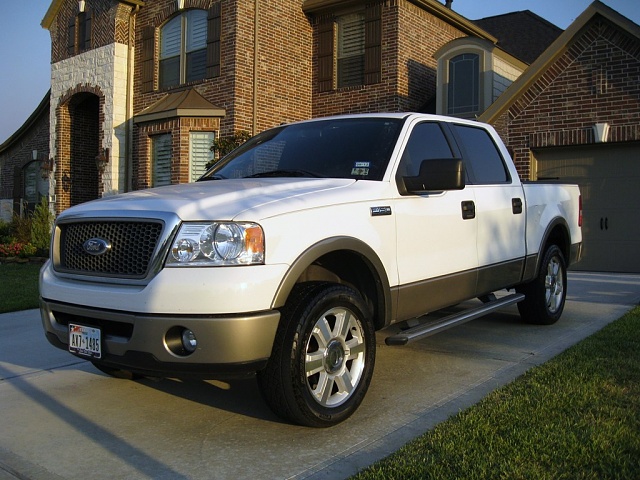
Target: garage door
column 609, row 178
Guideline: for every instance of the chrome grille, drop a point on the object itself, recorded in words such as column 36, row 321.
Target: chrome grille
column 130, row 255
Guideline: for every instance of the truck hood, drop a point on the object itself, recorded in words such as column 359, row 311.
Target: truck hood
column 219, row 199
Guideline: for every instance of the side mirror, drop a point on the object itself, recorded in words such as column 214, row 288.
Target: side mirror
column 435, row 175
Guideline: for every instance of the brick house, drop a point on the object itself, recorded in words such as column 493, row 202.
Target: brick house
column 574, row 116
column 140, row 88
column 22, row 157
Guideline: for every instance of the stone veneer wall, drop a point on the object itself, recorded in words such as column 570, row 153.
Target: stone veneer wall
column 104, row 68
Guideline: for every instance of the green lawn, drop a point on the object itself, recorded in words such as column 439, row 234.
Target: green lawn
column 19, row 286
column 575, row 417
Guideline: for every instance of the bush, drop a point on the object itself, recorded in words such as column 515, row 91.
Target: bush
column 27, row 235
column 224, row 145
column 21, row 228
column 16, row 249
column 5, row 232
column 41, row 224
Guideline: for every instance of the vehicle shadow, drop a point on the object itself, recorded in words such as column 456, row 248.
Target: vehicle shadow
column 239, row 396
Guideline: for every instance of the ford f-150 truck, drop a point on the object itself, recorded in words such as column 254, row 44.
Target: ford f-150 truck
column 288, row 255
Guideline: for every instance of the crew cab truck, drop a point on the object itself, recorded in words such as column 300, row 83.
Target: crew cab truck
column 287, row 256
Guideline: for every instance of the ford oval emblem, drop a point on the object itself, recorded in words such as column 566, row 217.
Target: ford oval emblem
column 96, row 246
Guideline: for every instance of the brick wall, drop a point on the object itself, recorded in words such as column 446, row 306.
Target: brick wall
column 410, row 37
column 17, row 154
column 179, row 129
column 596, row 80
column 284, row 57
column 109, row 24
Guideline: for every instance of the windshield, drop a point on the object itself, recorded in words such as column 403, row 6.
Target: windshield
column 357, row 148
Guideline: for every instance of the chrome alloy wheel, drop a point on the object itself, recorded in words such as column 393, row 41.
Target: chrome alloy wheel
column 334, row 357
column 554, row 285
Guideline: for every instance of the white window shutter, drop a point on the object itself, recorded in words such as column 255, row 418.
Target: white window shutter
column 200, row 153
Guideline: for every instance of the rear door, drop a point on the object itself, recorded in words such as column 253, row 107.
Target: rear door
column 499, row 207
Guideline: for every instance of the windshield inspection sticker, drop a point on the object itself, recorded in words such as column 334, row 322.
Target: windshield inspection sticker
column 361, row 168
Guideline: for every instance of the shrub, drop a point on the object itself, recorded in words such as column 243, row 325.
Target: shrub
column 17, row 249
column 21, row 228
column 5, row 232
column 27, row 235
column 224, row 145
column 41, row 224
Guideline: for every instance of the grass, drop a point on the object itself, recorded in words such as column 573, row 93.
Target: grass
column 19, row 289
column 575, row 417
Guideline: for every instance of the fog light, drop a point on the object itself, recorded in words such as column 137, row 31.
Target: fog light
column 189, row 342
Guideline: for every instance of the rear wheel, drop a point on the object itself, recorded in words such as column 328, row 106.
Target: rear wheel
column 323, row 357
column 545, row 295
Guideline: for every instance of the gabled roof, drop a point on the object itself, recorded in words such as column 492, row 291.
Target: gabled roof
column 188, row 103
column 41, row 110
column 523, row 34
column 552, row 53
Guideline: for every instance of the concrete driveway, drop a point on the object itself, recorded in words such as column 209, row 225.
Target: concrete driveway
column 61, row 418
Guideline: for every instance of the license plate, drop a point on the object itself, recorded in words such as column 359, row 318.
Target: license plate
column 85, row 341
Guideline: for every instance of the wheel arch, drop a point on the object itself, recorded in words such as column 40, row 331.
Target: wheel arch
column 556, row 233
column 344, row 260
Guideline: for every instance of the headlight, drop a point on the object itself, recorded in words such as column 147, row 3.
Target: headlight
column 217, row 243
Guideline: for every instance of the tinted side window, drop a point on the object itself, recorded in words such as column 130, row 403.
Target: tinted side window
column 425, row 143
column 481, row 155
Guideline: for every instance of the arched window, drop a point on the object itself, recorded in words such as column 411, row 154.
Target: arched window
column 183, row 49
column 464, row 84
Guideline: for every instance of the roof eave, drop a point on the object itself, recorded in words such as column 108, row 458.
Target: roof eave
column 53, row 9
column 33, row 118
column 551, row 54
column 179, row 112
column 432, row 6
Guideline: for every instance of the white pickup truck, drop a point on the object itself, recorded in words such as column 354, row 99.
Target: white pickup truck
column 287, row 256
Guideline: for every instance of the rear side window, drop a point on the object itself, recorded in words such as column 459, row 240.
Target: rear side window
column 427, row 142
column 482, row 157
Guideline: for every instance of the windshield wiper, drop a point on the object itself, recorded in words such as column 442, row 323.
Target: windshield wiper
column 285, row 173
column 211, row 177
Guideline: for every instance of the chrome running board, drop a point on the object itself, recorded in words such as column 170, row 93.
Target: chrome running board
column 427, row 329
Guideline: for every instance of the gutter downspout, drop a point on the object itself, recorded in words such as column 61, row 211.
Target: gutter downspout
column 128, row 151
column 256, row 43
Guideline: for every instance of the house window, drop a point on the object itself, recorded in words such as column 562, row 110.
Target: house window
column 161, row 160
column 31, row 172
column 200, row 153
column 350, row 50
column 464, row 84
column 79, row 33
column 183, row 49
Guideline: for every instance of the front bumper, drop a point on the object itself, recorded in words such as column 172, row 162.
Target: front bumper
column 227, row 344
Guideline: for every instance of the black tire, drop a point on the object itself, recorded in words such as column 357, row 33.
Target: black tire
column 116, row 372
column 319, row 373
column 546, row 294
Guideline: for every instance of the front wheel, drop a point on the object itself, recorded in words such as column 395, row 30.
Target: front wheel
column 545, row 295
column 323, row 356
